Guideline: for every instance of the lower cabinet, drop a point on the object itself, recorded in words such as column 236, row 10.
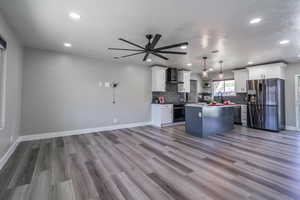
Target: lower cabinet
column 244, row 114
column 161, row 114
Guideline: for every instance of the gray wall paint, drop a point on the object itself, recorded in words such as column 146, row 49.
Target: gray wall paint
column 61, row 92
column 14, row 52
column 290, row 107
column 197, row 77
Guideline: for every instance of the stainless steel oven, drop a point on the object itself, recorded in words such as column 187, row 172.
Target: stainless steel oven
column 178, row 113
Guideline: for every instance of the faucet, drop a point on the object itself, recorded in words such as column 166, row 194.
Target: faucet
column 220, row 96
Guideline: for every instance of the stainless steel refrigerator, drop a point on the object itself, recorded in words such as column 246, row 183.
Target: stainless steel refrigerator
column 266, row 105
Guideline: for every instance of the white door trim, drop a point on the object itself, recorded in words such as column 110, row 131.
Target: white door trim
column 296, row 100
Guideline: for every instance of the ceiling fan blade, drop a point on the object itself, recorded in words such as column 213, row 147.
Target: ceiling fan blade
column 136, row 45
column 171, row 52
column 146, row 56
column 171, row 46
column 158, row 55
column 118, row 49
column 132, row 54
column 154, row 41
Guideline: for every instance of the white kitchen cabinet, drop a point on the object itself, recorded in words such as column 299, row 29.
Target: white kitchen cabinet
column 269, row 71
column 158, row 79
column 184, row 81
column 161, row 114
column 240, row 80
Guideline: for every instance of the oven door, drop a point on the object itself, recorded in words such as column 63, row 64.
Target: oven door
column 179, row 114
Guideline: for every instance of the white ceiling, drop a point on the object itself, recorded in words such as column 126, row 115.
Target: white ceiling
column 206, row 24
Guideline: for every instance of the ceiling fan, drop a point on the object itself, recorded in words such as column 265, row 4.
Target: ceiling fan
column 150, row 48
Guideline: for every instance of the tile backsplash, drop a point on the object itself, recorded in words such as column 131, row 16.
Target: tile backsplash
column 171, row 95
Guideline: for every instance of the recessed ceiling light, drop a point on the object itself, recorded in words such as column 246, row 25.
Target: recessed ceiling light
column 66, row 44
column 284, row 42
column 74, row 15
column 211, row 69
column 183, row 47
column 189, row 64
column 250, row 63
column 255, row 20
column 149, row 60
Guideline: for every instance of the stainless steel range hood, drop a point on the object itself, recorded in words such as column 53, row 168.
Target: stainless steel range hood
column 172, row 75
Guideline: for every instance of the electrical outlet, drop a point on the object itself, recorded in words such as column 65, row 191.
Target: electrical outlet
column 115, row 120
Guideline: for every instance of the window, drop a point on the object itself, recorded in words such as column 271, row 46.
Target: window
column 226, row 88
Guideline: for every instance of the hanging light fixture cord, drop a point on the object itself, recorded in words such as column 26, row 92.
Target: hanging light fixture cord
column 204, row 58
column 221, row 66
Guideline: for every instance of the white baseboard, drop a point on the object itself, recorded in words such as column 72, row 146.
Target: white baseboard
column 80, row 131
column 8, row 153
column 32, row 137
column 291, row 128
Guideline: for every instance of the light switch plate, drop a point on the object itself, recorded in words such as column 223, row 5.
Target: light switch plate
column 107, row 84
column 100, row 84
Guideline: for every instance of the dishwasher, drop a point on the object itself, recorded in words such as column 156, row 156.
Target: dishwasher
column 237, row 115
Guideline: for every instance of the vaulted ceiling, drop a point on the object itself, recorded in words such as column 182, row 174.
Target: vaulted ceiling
column 221, row 25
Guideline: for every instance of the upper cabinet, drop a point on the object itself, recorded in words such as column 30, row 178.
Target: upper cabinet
column 240, row 80
column 158, row 79
column 184, row 81
column 276, row 70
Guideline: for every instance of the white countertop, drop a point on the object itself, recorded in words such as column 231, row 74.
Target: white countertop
column 207, row 106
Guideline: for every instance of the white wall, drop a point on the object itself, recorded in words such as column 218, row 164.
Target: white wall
column 14, row 55
column 228, row 74
column 197, row 77
column 290, row 108
column 61, row 92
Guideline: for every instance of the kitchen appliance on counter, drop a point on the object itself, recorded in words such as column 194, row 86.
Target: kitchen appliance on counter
column 178, row 113
column 204, row 97
column 266, row 105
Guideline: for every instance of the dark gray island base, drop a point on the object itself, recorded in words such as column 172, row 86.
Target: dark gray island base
column 204, row 121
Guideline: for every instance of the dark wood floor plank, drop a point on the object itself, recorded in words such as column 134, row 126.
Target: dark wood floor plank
column 24, row 173
column 103, row 189
column 166, row 187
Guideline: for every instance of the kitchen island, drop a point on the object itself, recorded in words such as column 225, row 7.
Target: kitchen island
column 204, row 120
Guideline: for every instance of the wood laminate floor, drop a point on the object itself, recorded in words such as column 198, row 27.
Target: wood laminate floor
column 147, row 163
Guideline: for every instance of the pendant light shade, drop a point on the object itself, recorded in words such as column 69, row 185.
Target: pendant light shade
column 3, row 44
column 221, row 74
column 204, row 72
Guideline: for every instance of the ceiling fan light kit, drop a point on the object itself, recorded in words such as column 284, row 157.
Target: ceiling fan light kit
column 150, row 48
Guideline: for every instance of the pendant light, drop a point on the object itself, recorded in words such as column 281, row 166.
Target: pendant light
column 221, row 74
column 204, row 72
